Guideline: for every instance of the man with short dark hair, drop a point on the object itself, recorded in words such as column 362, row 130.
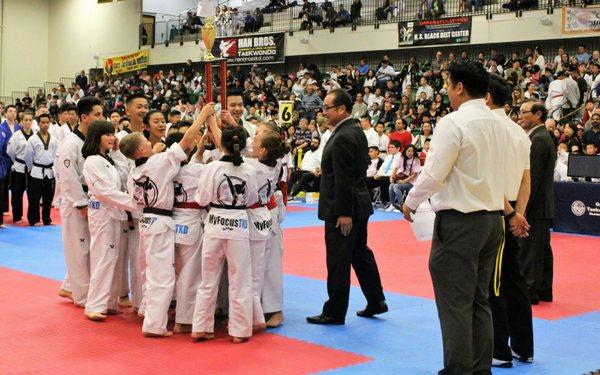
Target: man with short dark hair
column 463, row 177
column 345, row 206
column 536, row 256
column 509, row 297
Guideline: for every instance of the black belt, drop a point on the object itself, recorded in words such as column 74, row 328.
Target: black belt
column 227, row 207
column 20, row 161
column 158, row 211
column 44, row 167
column 474, row 213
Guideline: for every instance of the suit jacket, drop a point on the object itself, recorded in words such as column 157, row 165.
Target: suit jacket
column 543, row 161
column 343, row 189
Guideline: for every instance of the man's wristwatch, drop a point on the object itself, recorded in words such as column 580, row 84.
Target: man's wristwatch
column 511, row 215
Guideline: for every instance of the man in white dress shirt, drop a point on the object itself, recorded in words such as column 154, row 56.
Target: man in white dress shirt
column 464, row 177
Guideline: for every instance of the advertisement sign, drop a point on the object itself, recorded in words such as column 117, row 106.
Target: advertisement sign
column 126, row 63
column 251, row 49
column 432, row 32
column 580, row 20
column 577, row 207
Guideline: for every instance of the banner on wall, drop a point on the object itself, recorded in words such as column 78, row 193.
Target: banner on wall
column 127, row 63
column 432, row 32
column 251, row 49
column 580, row 20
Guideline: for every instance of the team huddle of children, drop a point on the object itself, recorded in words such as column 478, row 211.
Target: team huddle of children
column 177, row 221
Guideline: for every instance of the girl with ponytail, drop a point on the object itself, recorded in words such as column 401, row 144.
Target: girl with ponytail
column 228, row 187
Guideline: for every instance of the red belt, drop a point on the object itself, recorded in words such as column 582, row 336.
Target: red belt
column 193, row 205
column 272, row 203
column 558, row 96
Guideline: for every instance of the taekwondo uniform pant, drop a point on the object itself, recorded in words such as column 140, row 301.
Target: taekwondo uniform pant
column 17, row 189
column 123, row 270
column 188, row 260
column 40, row 189
column 214, row 252
column 137, row 259
column 272, row 285
column 157, row 241
column 105, row 259
column 76, row 242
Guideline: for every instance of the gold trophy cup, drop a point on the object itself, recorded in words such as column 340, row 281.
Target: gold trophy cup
column 209, row 33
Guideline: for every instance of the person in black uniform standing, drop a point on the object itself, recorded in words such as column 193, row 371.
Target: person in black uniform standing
column 536, row 256
column 345, row 206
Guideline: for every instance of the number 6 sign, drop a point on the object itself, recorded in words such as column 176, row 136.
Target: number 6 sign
column 286, row 112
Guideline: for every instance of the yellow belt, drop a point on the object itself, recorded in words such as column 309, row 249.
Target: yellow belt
column 498, row 266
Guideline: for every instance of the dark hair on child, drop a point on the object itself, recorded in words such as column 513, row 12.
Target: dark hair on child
column 97, row 129
column 233, row 139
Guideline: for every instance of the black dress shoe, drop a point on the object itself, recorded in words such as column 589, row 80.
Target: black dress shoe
column 520, row 358
column 324, row 319
column 371, row 310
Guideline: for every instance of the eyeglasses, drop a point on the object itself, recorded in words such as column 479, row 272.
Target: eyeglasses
column 328, row 107
column 524, row 112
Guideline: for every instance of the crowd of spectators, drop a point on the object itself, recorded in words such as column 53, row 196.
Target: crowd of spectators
column 398, row 105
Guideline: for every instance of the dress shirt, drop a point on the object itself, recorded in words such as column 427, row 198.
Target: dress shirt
column 466, row 164
column 311, row 161
column 372, row 168
column 517, row 154
column 372, row 137
column 388, row 165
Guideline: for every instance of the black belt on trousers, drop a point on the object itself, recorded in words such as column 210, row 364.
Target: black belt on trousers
column 474, row 213
column 227, row 207
column 158, row 211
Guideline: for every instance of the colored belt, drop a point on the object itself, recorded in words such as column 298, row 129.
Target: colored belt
column 158, row 211
column 228, row 207
column 192, row 205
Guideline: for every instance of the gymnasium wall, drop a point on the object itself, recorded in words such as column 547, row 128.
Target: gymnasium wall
column 82, row 29
column 24, row 47
column 44, row 40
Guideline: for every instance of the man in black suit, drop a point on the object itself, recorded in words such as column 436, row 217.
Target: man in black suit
column 345, row 206
column 536, row 257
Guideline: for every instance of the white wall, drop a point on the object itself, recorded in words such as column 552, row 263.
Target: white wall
column 24, row 48
column 175, row 53
column 80, row 29
column 168, row 6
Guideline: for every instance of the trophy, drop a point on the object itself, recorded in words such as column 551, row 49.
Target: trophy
column 206, row 9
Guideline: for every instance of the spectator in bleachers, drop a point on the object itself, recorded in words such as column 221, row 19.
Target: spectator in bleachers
column 424, row 151
column 310, row 102
column 405, row 172
column 382, row 139
column 307, row 177
column 382, row 178
column 385, row 73
column 355, row 15
column 375, row 161
column 591, row 149
column 388, row 117
column 401, row 134
column 593, row 134
column 582, row 56
column 359, row 109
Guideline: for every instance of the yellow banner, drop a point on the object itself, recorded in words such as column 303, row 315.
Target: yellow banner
column 126, row 63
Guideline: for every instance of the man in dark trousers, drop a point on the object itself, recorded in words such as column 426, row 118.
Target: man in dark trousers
column 463, row 177
column 509, row 297
column 345, row 206
column 536, row 256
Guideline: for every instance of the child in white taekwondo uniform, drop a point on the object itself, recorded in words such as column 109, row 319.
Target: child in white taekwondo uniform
column 74, row 203
column 151, row 185
column 40, row 154
column 228, row 186
column 188, row 216
column 272, row 283
column 266, row 149
column 106, row 211
column 16, row 149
